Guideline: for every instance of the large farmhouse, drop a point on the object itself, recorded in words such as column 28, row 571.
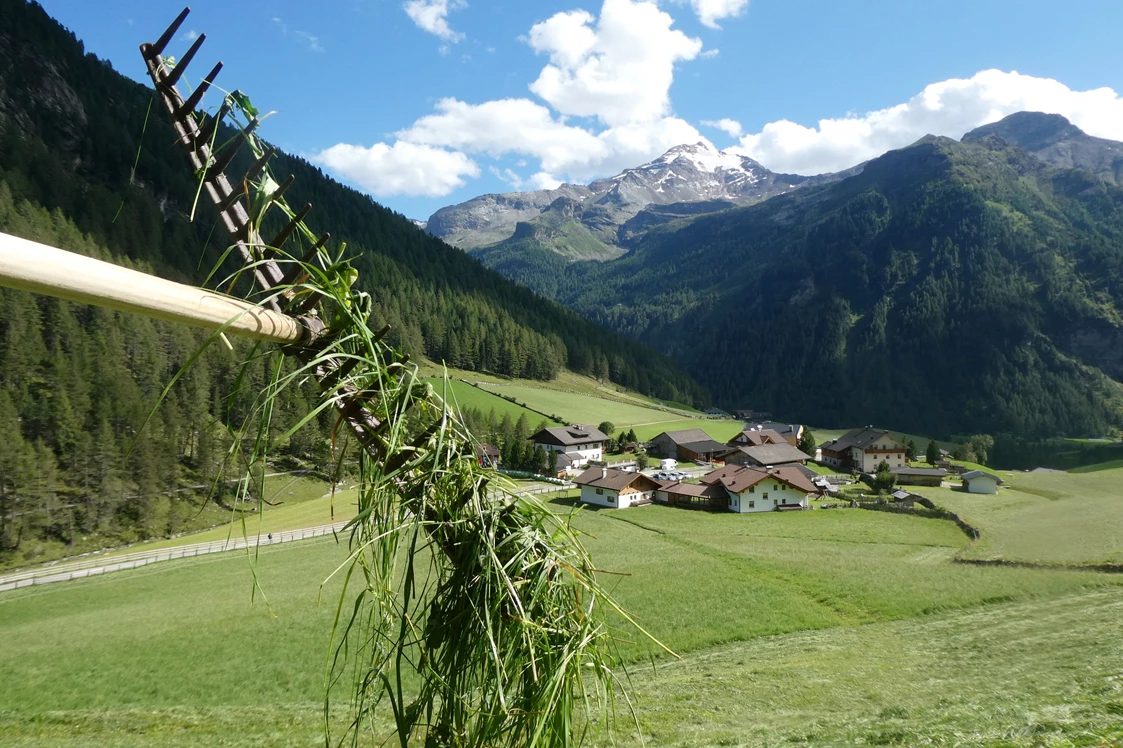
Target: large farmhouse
column 863, row 450
column 752, row 489
column 688, row 445
column 615, row 488
column 578, row 444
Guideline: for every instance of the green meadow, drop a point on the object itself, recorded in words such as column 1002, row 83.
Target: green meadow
column 575, row 407
column 813, row 628
column 466, row 396
column 1052, row 517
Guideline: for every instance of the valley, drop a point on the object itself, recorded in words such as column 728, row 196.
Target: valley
column 785, row 412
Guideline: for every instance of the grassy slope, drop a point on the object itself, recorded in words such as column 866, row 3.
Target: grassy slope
column 978, row 677
column 467, row 396
column 1053, row 517
column 117, row 655
column 576, row 407
column 297, row 503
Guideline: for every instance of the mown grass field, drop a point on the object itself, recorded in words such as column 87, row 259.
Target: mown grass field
column 821, row 627
column 583, row 408
column 1053, row 517
column 466, row 396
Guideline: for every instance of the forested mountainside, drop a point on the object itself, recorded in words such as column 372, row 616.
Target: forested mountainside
column 76, row 383
column 71, row 127
column 951, row 287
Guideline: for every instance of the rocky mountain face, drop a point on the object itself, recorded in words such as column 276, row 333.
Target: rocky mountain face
column 595, row 221
column 1053, row 139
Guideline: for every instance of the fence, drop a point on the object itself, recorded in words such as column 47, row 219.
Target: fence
column 95, row 566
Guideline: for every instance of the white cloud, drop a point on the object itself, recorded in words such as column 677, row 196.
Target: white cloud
column 711, row 11
column 506, row 126
column 710, row 54
column 507, row 175
column 544, row 181
column 730, row 126
column 950, row 108
column 432, row 16
column 619, row 71
column 191, row 35
column 400, row 169
column 617, row 67
column 312, row 41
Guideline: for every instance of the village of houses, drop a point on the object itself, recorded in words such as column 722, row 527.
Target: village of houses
column 760, row 469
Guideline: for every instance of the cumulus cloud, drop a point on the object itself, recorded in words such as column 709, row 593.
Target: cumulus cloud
column 432, row 16
column 400, row 169
column 506, row 126
column 617, row 68
column 730, row 126
column 711, row 11
column 949, row 108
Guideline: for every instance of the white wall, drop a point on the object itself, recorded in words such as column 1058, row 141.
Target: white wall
column 766, row 496
column 982, row 484
column 868, row 462
column 580, row 454
column 613, row 499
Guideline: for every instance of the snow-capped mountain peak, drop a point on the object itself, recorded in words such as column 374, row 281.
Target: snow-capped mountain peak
column 688, row 173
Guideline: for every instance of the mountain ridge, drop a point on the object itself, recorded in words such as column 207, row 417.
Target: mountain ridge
column 687, row 173
column 949, row 287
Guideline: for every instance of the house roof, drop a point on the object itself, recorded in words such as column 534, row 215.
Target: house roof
column 972, row 475
column 781, row 428
column 773, row 454
column 738, row 478
column 929, row 472
column 483, row 448
column 568, row 436
column 705, row 491
column 613, row 479
column 758, row 437
column 685, row 436
column 860, row 438
column 704, row 445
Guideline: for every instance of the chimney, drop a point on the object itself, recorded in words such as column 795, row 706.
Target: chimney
column 604, row 472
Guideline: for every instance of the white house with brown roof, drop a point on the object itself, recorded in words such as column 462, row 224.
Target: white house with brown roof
column 752, row 489
column 614, row 488
column 864, row 449
column 578, row 443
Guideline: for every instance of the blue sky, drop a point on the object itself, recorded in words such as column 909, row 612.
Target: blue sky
column 423, row 103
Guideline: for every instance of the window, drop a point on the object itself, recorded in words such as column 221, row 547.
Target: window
column 600, row 492
column 752, row 489
column 611, row 499
column 775, row 501
column 766, row 496
column 752, row 504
